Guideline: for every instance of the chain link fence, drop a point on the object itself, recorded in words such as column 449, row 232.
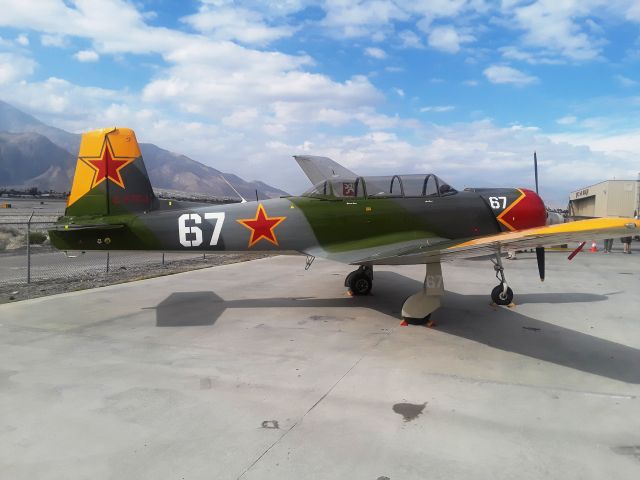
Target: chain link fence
column 27, row 257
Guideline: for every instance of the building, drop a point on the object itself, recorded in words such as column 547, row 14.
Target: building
column 611, row 198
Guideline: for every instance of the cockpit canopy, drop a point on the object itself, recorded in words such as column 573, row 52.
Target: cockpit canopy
column 381, row 187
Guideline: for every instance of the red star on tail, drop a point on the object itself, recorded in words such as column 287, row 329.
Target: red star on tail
column 262, row 226
column 107, row 166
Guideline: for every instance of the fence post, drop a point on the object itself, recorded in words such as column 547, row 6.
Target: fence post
column 107, row 262
column 162, row 258
column 29, row 248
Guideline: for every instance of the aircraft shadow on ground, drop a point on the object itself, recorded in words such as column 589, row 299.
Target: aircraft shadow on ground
column 465, row 316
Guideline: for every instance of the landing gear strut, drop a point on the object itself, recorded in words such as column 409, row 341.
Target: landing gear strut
column 501, row 294
column 360, row 281
column 417, row 309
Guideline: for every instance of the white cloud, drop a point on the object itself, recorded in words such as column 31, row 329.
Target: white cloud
column 374, row 52
column 14, row 68
column 22, row 40
column 378, row 36
column 62, row 103
column 114, row 26
column 241, row 117
column 409, row 39
column 363, row 18
column 568, row 120
column 598, row 123
column 431, row 10
column 505, row 74
column 358, row 18
column 399, row 92
column 622, row 148
column 447, row 39
column 244, row 77
column 241, row 24
column 633, row 11
column 437, row 108
column 470, row 83
column 86, row 56
column 558, row 27
column 534, row 58
column 53, row 40
column 626, row 81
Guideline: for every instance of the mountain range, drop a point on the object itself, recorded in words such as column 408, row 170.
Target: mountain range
column 34, row 154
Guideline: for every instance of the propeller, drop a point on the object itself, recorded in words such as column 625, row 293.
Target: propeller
column 539, row 250
column 576, row 251
column 540, row 258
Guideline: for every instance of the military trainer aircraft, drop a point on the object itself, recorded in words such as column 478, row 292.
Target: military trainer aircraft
column 362, row 221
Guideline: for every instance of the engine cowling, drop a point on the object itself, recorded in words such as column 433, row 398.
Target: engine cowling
column 515, row 208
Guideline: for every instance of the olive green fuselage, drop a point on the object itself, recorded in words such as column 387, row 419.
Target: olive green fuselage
column 310, row 225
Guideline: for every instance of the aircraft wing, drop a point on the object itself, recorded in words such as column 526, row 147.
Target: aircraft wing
column 321, row 168
column 573, row 232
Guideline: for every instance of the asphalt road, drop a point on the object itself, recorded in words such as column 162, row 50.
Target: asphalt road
column 22, row 208
column 56, row 265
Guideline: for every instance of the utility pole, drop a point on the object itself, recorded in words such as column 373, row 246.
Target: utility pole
column 29, row 248
column 638, row 195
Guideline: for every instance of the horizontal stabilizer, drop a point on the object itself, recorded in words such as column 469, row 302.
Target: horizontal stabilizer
column 104, row 226
column 318, row 169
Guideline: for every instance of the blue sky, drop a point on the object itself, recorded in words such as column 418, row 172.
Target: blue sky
column 465, row 88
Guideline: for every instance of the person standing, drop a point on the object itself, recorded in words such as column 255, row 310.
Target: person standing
column 626, row 242
column 608, row 244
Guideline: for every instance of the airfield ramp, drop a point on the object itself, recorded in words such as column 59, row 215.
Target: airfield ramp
column 262, row 370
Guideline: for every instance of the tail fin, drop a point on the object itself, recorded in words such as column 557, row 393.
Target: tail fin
column 110, row 176
column 318, row 169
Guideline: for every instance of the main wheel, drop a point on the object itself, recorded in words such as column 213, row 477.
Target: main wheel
column 347, row 280
column 360, row 283
column 500, row 297
column 417, row 321
column 368, row 271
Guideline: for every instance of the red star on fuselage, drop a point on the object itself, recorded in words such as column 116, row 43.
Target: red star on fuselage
column 107, row 166
column 261, row 226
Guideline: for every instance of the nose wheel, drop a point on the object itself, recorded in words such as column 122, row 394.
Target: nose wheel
column 360, row 281
column 501, row 294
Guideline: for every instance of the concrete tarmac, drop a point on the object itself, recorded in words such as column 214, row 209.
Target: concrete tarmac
column 262, row 370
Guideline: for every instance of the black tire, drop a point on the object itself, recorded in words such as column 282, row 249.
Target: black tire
column 360, row 283
column 369, row 271
column 500, row 297
column 417, row 321
column 347, row 280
